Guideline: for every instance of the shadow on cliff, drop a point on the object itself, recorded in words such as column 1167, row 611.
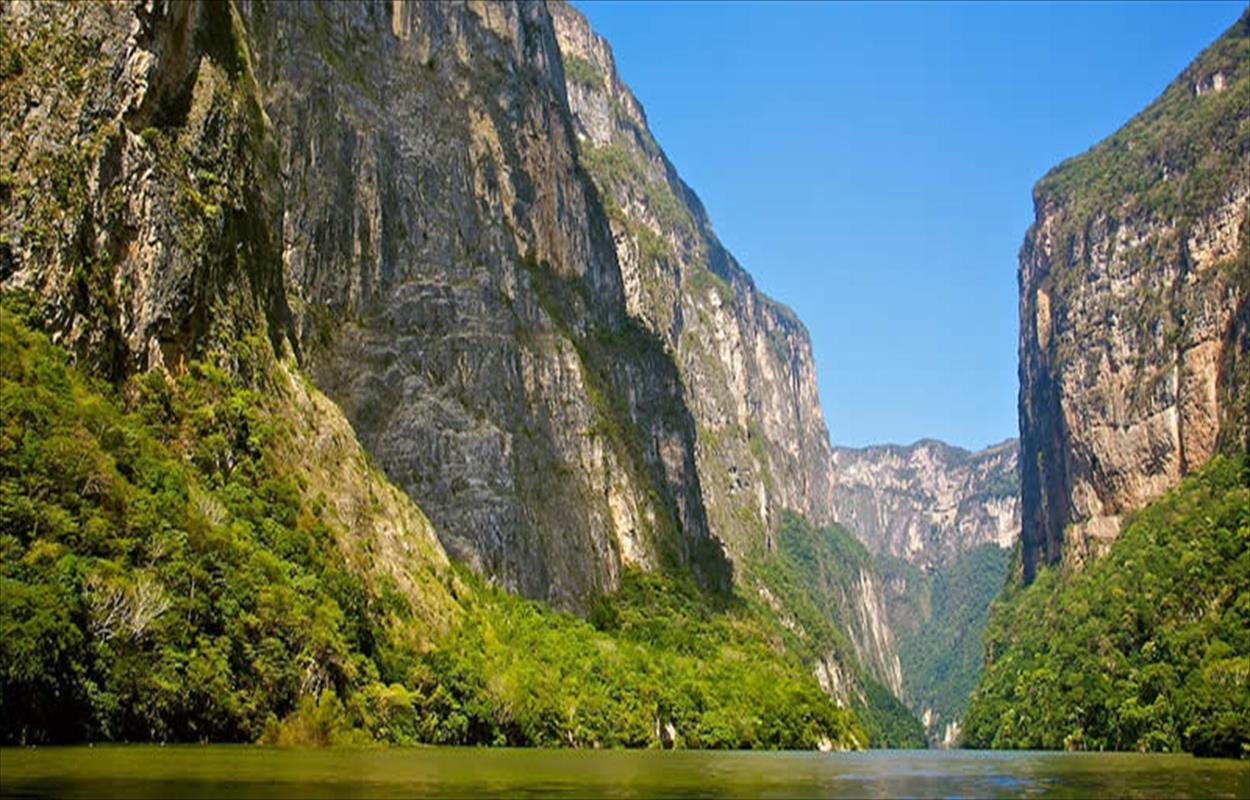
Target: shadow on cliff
column 638, row 395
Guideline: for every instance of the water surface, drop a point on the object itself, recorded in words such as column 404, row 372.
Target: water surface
column 251, row 771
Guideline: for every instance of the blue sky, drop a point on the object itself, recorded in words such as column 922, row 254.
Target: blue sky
column 872, row 166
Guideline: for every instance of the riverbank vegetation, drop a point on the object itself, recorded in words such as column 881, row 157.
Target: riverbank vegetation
column 1147, row 648
column 163, row 577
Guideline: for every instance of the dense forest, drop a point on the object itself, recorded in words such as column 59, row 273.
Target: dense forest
column 946, row 608
column 1142, row 650
column 163, row 580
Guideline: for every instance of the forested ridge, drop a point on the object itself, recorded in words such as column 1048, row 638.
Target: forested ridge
column 1147, row 648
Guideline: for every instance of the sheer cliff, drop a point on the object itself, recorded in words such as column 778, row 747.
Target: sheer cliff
column 380, row 272
column 744, row 360
column 1134, row 324
column 1126, row 627
column 455, row 280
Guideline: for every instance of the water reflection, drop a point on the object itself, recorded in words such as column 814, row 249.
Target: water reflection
column 245, row 771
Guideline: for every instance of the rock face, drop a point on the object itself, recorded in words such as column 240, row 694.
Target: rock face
column 928, row 502
column 461, row 297
column 1134, row 328
column 452, row 217
column 139, row 187
column 745, row 360
column 392, row 191
column 141, row 205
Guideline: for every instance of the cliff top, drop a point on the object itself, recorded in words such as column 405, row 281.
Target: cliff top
column 1208, row 102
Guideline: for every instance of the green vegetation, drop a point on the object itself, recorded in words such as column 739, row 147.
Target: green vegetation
column 10, row 58
column 1177, row 156
column 889, row 723
column 810, row 571
column 579, row 70
column 940, row 641
column 703, row 281
column 163, row 580
column 619, row 173
column 657, row 653
column 657, row 666
column 1148, row 648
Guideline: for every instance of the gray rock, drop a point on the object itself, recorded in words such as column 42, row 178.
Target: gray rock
column 928, row 502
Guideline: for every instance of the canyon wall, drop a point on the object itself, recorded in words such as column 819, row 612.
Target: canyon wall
column 744, row 360
column 453, row 219
column 1134, row 325
column 928, row 502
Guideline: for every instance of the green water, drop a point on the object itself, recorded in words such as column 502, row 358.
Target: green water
column 249, row 771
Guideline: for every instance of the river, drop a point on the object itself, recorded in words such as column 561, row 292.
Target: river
column 221, row 771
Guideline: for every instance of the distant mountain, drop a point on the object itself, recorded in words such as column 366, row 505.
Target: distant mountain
column 928, row 502
column 941, row 523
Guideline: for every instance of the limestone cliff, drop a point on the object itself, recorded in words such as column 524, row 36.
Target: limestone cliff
column 942, row 524
column 744, row 360
column 457, row 288
column 928, row 502
column 1134, row 325
column 515, row 302
column 140, row 192
column 142, row 210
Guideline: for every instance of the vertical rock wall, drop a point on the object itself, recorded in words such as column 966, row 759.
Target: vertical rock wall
column 1134, row 329
column 459, row 295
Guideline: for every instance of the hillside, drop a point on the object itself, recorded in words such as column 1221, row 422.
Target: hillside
column 361, row 429
column 1125, row 625
column 1148, row 648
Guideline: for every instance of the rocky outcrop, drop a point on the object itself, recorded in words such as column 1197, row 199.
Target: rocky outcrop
column 1134, row 328
column 928, row 502
column 140, row 195
column 745, row 360
column 873, row 637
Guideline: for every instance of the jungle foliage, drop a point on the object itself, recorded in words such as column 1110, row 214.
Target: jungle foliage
column 1147, row 648
column 164, row 578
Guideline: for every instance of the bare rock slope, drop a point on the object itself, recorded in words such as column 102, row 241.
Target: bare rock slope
column 928, row 502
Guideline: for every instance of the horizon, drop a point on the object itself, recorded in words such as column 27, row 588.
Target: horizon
column 837, row 207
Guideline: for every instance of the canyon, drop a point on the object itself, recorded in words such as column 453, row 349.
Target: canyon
column 420, row 324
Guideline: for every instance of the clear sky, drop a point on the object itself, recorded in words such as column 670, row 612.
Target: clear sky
column 872, row 166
